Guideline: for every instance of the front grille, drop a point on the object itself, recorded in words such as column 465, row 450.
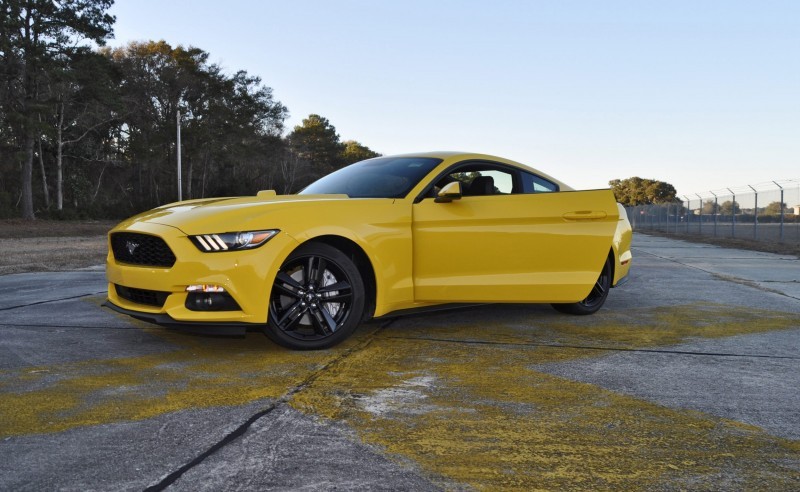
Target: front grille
column 155, row 298
column 141, row 249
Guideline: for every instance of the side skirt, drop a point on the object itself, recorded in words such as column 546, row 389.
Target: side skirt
column 427, row 309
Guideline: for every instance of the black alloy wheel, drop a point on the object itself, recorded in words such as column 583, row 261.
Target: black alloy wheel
column 596, row 298
column 317, row 299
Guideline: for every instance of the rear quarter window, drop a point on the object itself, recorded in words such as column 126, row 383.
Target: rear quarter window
column 532, row 183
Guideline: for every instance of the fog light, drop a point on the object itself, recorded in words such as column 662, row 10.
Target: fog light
column 211, row 301
column 207, row 288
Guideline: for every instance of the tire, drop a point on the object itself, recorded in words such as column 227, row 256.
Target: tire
column 317, row 299
column 596, row 298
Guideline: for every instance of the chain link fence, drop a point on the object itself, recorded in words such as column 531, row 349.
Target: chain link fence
column 767, row 212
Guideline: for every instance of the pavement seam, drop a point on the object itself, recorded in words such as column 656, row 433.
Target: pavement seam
column 727, row 278
column 51, row 300
column 227, row 439
column 601, row 349
column 240, row 430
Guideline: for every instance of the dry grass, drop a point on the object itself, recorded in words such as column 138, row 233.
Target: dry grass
column 43, row 245
column 17, row 228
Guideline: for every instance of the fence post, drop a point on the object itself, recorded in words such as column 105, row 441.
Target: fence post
column 700, row 224
column 716, row 211
column 781, row 202
column 677, row 211
column 755, row 214
column 688, row 212
column 733, row 215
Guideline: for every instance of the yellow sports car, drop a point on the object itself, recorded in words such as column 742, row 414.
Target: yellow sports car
column 377, row 237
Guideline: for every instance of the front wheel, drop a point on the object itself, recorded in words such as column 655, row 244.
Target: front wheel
column 595, row 299
column 317, row 299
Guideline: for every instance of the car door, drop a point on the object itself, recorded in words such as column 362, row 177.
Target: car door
column 511, row 247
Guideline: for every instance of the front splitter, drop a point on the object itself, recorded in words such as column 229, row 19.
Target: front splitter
column 200, row 328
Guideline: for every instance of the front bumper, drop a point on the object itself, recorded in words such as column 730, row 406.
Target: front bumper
column 246, row 275
column 201, row 328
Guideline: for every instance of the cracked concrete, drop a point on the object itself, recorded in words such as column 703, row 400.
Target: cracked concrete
column 693, row 364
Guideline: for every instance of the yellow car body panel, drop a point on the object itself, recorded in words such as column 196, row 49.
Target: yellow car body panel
column 381, row 227
column 621, row 243
column 512, row 248
column 242, row 274
column 538, row 247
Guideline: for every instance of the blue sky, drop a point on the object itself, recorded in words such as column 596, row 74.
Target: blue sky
column 702, row 94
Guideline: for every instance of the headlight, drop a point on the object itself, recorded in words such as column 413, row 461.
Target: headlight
column 232, row 241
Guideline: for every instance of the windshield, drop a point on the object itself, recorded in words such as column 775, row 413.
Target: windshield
column 382, row 177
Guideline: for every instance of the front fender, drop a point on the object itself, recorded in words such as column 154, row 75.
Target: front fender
column 384, row 235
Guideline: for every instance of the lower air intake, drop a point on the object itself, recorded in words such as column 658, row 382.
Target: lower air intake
column 155, row 298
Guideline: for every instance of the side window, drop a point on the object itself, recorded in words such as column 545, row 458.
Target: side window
column 478, row 182
column 503, row 181
column 532, row 183
column 488, row 178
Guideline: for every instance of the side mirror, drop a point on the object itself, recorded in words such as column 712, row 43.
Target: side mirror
column 450, row 192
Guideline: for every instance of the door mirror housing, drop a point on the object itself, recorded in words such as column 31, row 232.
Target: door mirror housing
column 450, row 192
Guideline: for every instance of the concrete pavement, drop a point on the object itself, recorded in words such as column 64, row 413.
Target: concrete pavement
column 771, row 272
column 683, row 380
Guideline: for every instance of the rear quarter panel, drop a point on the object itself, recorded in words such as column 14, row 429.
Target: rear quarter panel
column 623, row 236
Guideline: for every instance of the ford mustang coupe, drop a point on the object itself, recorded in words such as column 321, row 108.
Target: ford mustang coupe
column 377, row 237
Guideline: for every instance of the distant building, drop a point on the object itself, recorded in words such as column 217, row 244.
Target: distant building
column 797, row 209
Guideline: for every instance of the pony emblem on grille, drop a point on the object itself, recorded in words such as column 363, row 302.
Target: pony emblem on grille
column 131, row 246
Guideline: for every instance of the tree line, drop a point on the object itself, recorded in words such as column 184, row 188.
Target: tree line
column 90, row 131
column 641, row 191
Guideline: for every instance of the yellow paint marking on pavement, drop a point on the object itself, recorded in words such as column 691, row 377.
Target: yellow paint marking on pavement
column 211, row 372
column 468, row 413
column 192, row 372
column 478, row 414
column 629, row 329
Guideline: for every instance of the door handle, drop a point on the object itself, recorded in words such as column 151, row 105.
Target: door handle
column 585, row 215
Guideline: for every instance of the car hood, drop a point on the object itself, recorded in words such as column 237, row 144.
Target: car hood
column 216, row 215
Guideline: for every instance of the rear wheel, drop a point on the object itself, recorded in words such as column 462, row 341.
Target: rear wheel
column 317, row 299
column 595, row 299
